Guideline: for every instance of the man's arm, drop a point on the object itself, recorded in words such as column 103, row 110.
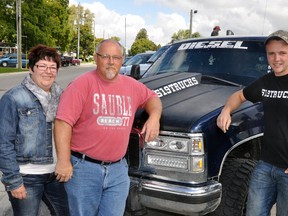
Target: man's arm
column 151, row 127
column 233, row 102
column 62, row 135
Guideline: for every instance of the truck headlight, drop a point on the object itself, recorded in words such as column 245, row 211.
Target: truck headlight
column 183, row 152
column 192, row 145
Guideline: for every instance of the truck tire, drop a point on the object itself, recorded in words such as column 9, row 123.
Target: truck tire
column 235, row 182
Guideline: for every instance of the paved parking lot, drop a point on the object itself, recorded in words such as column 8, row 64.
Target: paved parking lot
column 5, row 207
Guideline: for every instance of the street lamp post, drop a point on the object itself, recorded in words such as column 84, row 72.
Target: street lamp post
column 191, row 19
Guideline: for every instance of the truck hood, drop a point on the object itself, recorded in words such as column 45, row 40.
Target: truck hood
column 186, row 98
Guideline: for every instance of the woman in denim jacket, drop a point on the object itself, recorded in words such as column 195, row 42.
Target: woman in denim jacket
column 27, row 153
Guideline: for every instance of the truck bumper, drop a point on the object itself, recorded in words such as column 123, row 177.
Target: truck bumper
column 181, row 199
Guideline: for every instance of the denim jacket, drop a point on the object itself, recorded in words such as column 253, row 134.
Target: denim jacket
column 25, row 136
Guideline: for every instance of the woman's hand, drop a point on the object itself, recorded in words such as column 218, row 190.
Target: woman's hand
column 19, row 193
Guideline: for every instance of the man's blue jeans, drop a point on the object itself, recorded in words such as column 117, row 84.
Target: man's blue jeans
column 97, row 189
column 268, row 185
column 41, row 187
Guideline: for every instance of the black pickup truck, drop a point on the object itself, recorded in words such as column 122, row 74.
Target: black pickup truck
column 193, row 168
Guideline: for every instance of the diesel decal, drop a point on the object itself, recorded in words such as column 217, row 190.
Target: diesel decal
column 212, row 44
column 176, row 86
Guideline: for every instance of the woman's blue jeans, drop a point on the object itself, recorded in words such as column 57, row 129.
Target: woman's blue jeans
column 41, row 187
column 97, row 189
column 268, row 185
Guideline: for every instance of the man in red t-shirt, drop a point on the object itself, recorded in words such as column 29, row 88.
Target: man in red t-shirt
column 92, row 127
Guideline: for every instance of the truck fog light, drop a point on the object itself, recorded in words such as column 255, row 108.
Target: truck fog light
column 168, row 161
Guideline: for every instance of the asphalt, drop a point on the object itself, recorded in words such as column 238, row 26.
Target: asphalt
column 6, row 210
column 5, row 206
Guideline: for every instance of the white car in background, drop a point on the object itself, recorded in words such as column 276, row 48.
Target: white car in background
column 126, row 69
column 139, row 58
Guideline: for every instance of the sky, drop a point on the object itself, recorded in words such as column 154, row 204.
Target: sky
column 163, row 18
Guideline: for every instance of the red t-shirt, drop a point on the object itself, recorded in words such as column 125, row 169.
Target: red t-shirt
column 102, row 113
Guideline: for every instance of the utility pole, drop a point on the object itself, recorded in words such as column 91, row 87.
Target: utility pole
column 94, row 42
column 191, row 19
column 78, row 44
column 19, row 34
column 125, row 41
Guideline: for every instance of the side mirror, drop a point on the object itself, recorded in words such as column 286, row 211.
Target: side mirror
column 135, row 72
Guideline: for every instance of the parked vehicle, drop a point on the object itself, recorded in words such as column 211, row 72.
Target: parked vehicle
column 76, row 61
column 139, row 58
column 144, row 66
column 66, row 61
column 10, row 60
column 126, row 59
column 69, row 60
column 193, row 168
column 7, row 55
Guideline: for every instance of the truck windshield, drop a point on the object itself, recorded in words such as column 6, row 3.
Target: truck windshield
column 240, row 61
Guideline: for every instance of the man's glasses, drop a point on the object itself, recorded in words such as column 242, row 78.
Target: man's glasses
column 108, row 57
column 43, row 68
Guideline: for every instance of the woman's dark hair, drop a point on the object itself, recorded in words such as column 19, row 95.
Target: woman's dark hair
column 42, row 52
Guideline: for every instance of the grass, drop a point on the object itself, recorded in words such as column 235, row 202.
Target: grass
column 11, row 70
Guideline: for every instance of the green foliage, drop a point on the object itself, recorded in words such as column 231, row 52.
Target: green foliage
column 82, row 19
column 11, row 70
column 142, row 34
column 196, row 35
column 43, row 22
column 8, row 21
column 183, row 34
column 142, row 45
column 115, row 38
column 54, row 23
column 180, row 35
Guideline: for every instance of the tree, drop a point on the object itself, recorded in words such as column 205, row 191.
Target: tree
column 8, row 21
column 180, row 35
column 183, row 34
column 196, row 35
column 115, row 38
column 84, row 20
column 46, row 22
column 142, row 43
column 54, row 23
column 43, row 22
column 142, row 34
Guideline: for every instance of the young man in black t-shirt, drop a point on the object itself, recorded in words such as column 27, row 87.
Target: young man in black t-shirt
column 269, row 180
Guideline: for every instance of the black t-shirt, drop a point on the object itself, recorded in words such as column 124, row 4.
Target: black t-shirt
column 272, row 91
